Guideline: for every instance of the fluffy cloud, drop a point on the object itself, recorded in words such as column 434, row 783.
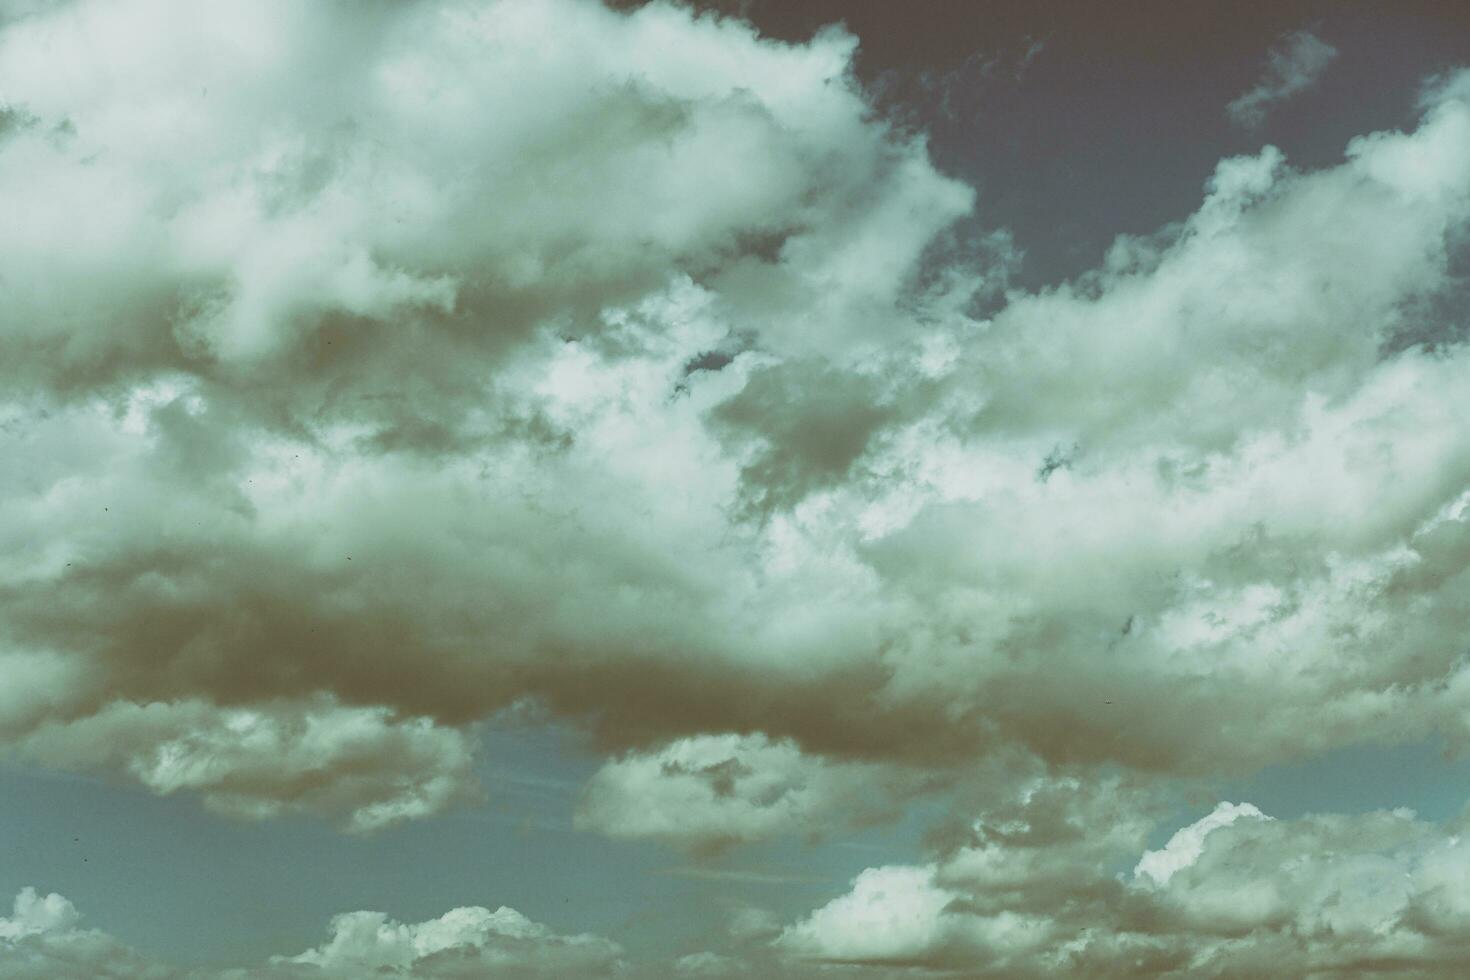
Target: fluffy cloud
column 707, row 792
column 1006, row 891
column 892, row 913
column 261, row 761
column 42, row 940
column 369, row 368
column 1116, row 547
column 347, row 349
column 1296, row 62
column 1234, row 894
column 262, row 181
column 465, row 942
column 1184, row 848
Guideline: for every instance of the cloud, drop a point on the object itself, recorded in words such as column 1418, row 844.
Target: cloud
column 1234, row 894
column 710, row 791
column 1003, row 891
column 312, row 316
column 1350, row 891
column 266, row 181
column 470, row 941
column 42, row 940
column 258, row 762
column 708, row 964
column 1185, row 847
column 1296, row 62
column 370, row 370
column 368, row 373
column 892, row 913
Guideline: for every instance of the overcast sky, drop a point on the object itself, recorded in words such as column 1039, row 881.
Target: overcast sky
column 759, row 488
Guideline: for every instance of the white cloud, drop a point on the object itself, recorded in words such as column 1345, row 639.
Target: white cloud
column 359, row 763
column 222, row 185
column 891, row 913
column 463, row 942
column 34, row 914
column 1184, row 848
column 288, row 288
column 368, row 374
column 42, row 940
column 1234, row 894
column 708, row 964
column 713, row 790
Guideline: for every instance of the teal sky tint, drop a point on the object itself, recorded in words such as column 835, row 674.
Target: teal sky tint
column 1114, row 123
column 222, row 892
column 1421, row 776
column 185, row 885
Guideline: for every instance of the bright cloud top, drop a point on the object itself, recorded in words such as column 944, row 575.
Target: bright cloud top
column 1185, row 847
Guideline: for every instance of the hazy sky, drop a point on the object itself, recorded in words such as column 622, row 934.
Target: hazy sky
column 534, row 488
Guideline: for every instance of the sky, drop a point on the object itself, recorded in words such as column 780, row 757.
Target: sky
column 750, row 488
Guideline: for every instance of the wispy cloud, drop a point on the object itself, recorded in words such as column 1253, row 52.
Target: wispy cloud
column 1295, row 63
column 743, row 876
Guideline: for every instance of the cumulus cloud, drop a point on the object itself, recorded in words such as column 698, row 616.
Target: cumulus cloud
column 892, row 913
column 43, row 940
column 1121, row 605
column 464, row 942
column 367, row 369
column 1295, row 63
column 314, row 321
column 706, row 792
column 1185, row 847
column 1002, row 891
column 1234, row 894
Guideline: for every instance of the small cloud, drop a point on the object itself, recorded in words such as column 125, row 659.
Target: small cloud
column 470, row 941
column 1295, row 63
column 709, row 965
column 711, row 791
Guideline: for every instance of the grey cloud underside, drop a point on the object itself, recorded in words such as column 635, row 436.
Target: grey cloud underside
column 367, row 373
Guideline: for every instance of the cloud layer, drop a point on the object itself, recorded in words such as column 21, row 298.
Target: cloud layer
column 365, row 370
